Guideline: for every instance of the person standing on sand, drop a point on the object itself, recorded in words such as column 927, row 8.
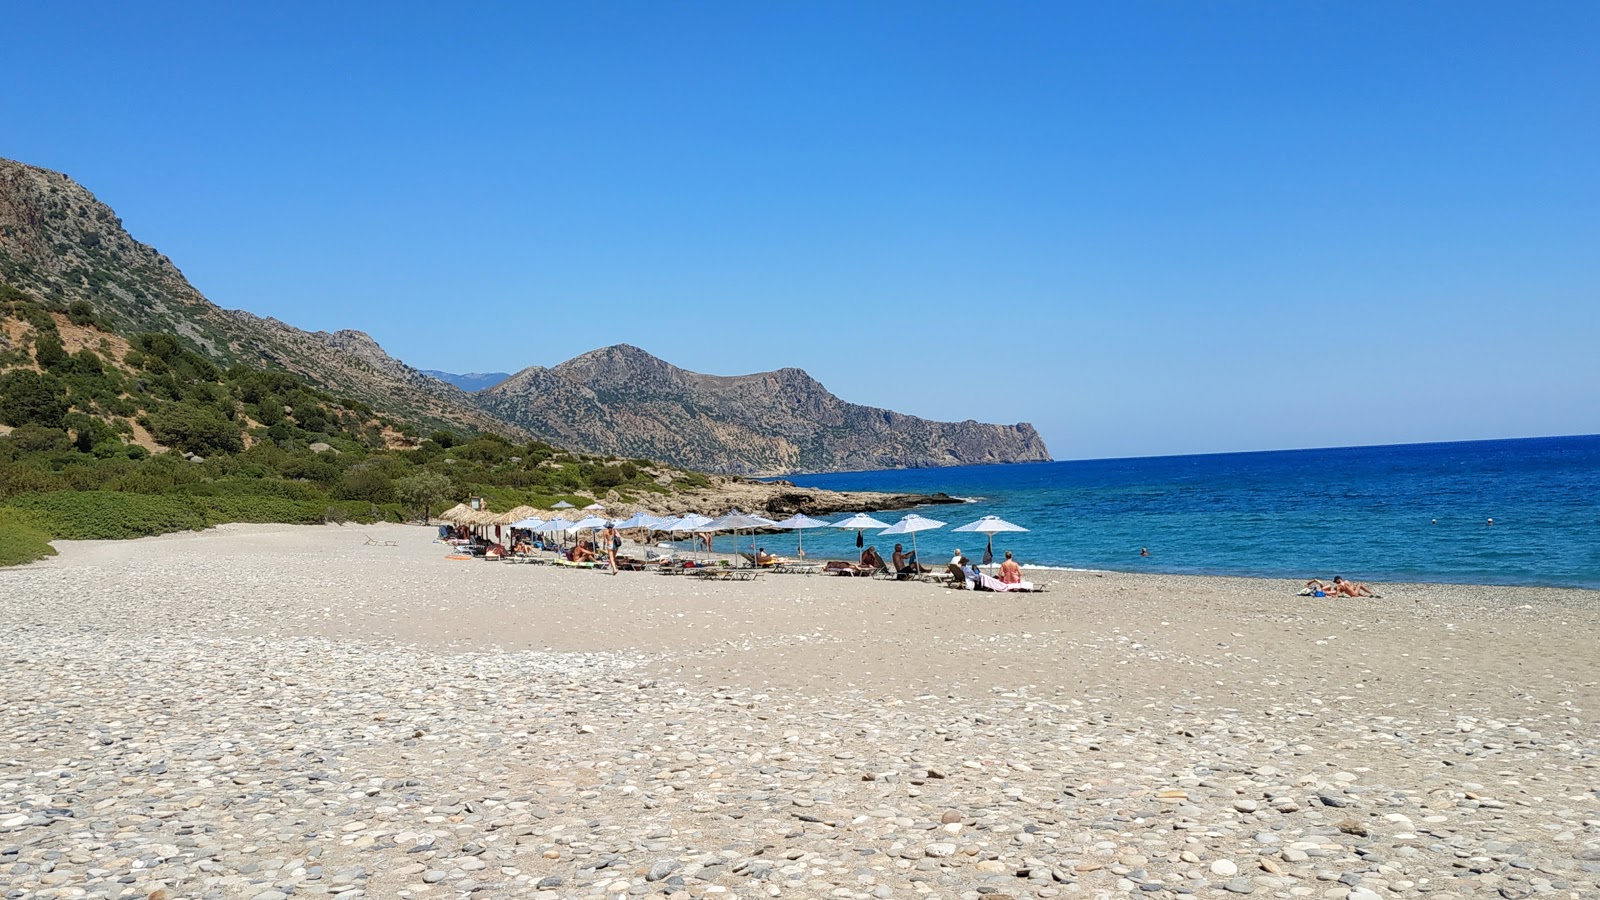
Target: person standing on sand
column 1010, row 572
column 611, row 540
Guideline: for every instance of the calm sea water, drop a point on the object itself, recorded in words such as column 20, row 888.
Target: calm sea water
column 1414, row 512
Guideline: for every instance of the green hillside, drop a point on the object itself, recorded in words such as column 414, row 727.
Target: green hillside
column 108, row 435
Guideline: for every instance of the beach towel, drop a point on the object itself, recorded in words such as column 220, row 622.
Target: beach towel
column 991, row 583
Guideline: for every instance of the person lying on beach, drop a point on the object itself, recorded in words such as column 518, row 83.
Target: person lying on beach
column 1342, row 588
column 1010, row 572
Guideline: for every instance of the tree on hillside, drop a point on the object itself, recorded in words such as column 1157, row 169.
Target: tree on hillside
column 31, row 398
column 423, row 489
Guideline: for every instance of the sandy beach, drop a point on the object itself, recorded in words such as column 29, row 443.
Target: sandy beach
column 275, row 711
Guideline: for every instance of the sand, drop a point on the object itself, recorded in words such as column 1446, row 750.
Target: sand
column 382, row 719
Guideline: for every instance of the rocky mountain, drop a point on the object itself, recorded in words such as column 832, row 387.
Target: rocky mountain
column 472, row 381
column 622, row 401
column 62, row 244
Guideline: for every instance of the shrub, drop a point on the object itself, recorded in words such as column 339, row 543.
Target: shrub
column 32, row 398
column 80, row 312
column 106, row 515
column 21, row 540
column 48, row 350
column 202, row 430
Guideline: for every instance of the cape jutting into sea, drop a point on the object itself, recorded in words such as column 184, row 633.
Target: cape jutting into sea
column 1411, row 512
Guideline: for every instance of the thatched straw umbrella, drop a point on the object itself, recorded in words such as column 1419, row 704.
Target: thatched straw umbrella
column 515, row 515
column 456, row 513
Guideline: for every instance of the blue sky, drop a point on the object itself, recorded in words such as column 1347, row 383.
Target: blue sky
column 1145, row 227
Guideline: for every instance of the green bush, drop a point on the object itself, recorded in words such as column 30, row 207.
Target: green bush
column 31, row 398
column 107, row 515
column 21, row 538
column 201, row 430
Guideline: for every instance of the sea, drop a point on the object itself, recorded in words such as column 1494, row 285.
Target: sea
column 1409, row 512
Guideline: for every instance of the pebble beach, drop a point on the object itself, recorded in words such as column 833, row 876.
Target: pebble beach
column 269, row 712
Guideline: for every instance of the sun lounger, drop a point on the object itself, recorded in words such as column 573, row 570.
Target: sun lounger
column 991, row 583
column 840, row 567
column 376, row 543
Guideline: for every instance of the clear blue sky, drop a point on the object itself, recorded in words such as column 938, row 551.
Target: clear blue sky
column 1147, row 228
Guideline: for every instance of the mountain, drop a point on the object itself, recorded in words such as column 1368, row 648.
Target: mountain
column 62, row 244
column 472, row 381
column 622, row 401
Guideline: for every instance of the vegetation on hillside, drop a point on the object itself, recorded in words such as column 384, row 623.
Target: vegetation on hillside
column 103, row 436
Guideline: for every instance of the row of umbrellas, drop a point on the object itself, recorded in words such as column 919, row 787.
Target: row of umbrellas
column 527, row 517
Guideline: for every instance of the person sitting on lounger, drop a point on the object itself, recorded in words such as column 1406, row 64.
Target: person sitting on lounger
column 1010, row 572
column 582, row 553
column 957, row 568
column 763, row 558
column 870, row 557
column 905, row 564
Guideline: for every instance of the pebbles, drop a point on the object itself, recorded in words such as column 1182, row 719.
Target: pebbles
column 162, row 730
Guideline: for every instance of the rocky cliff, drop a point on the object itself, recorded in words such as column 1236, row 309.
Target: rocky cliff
column 621, row 400
column 61, row 243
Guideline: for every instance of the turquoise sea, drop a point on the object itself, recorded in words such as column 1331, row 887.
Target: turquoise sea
column 1413, row 512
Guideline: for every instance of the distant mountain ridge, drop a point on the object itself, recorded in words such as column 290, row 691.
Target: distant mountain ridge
column 471, row 381
column 623, row 401
column 62, row 244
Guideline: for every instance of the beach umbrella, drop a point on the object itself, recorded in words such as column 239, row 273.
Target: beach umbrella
column 643, row 519
column 912, row 523
column 991, row 526
column 687, row 523
column 454, row 513
column 515, row 514
column 799, row 523
column 735, row 521
column 857, row 523
column 532, row 523
column 596, row 506
column 562, row 505
column 556, row 525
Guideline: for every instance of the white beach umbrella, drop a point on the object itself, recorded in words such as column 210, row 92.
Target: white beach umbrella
column 686, row 523
column 858, row 523
column 991, row 526
column 736, row 521
column 562, row 505
column 589, row 522
column 912, row 523
column 799, row 523
column 532, row 524
column 556, row 525
column 638, row 520
column 595, row 507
